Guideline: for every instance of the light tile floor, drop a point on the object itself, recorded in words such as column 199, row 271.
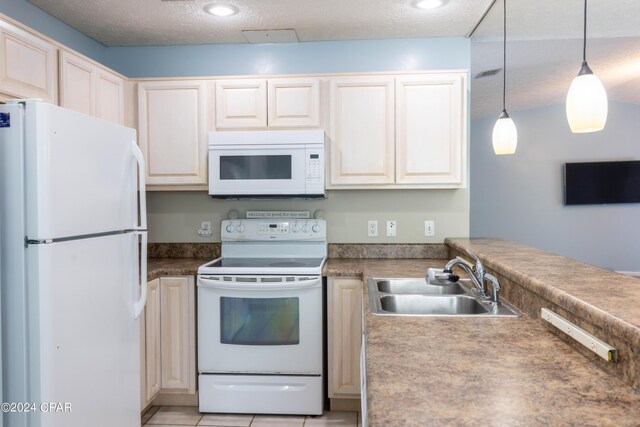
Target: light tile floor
column 183, row 416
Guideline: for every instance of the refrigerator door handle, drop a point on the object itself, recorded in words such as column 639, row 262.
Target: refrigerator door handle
column 138, row 306
column 142, row 190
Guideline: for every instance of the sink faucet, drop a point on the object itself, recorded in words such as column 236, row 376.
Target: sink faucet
column 477, row 274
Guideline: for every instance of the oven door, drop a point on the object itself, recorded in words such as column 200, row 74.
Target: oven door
column 262, row 324
column 256, row 170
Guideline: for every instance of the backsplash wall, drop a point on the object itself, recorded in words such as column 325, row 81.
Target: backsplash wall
column 176, row 216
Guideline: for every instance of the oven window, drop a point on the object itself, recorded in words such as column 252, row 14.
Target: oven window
column 255, row 167
column 260, row 321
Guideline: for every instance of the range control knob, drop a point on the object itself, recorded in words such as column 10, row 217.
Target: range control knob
column 230, row 228
column 315, row 228
column 294, row 227
column 240, row 228
column 305, row 227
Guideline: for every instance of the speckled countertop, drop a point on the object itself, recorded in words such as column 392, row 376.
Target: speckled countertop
column 478, row 371
column 157, row 267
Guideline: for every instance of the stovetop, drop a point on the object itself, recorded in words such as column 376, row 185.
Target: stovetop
column 270, row 247
column 263, row 266
column 266, row 262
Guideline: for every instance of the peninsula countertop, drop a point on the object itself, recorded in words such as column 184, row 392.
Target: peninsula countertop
column 477, row 371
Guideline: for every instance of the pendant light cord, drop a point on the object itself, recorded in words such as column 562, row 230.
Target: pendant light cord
column 504, row 54
column 584, row 35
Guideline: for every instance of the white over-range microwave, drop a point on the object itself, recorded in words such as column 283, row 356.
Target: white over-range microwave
column 266, row 164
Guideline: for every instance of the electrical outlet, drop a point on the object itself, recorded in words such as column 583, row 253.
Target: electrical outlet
column 372, row 228
column 205, row 229
column 391, row 228
column 429, row 228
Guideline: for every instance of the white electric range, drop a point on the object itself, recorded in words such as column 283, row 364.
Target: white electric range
column 260, row 321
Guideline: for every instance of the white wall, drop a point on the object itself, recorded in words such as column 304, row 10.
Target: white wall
column 520, row 197
column 175, row 217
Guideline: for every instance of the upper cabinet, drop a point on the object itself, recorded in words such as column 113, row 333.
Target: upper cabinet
column 172, row 132
column 431, row 129
column 90, row 89
column 279, row 103
column 28, row 65
column 241, row 104
column 109, row 96
column 407, row 131
column 293, row 103
column 361, row 130
column 77, row 87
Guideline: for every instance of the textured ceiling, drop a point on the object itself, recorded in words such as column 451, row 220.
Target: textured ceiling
column 544, row 49
column 540, row 72
column 156, row 22
column 544, row 52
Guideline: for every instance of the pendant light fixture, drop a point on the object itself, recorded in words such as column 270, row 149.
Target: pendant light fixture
column 586, row 100
column 505, row 135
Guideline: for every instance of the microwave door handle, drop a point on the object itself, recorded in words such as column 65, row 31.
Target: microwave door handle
column 260, row 286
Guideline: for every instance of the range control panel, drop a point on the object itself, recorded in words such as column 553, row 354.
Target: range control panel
column 273, row 229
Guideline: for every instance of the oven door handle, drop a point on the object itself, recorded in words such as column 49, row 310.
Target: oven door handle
column 213, row 283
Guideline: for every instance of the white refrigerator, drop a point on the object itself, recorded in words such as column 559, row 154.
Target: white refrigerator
column 73, row 257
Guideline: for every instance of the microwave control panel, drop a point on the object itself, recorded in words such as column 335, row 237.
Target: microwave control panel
column 315, row 169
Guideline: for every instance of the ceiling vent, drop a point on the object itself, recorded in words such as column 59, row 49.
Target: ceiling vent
column 488, row 73
column 271, row 36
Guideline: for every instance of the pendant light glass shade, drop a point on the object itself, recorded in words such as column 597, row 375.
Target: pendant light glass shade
column 587, row 105
column 505, row 135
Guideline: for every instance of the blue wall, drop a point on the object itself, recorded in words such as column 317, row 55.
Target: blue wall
column 290, row 58
column 520, row 197
column 26, row 13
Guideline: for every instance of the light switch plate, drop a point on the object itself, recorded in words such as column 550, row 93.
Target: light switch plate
column 429, row 228
column 391, row 228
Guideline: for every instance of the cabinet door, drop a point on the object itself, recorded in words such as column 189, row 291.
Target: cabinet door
column 293, row 102
column 173, row 132
column 241, row 104
column 178, row 334
column 431, row 129
column 345, row 334
column 28, row 65
column 77, row 83
column 362, row 131
column 152, row 341
column 109, row 90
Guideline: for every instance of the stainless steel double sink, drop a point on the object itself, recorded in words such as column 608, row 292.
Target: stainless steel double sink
column 417, row 297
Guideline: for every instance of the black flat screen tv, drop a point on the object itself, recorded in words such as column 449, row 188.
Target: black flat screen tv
column 602, row 183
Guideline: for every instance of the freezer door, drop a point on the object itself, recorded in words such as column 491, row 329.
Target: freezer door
column 80, row 174
column 84, row 341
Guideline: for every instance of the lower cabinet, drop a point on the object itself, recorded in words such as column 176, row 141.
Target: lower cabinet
column 169, row 338
column 344, row 325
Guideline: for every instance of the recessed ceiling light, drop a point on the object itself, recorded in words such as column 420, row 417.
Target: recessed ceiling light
column 428, row 4
column 219, row 9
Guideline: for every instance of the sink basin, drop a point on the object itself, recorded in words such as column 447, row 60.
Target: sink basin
column 417, row 286
column 435, row 306
column 416, row 297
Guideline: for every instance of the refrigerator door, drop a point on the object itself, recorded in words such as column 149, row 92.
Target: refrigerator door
column 84, row 341
column 80, row 174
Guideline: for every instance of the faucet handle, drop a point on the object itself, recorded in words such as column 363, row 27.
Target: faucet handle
column 473, row 255
column 479, row 267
